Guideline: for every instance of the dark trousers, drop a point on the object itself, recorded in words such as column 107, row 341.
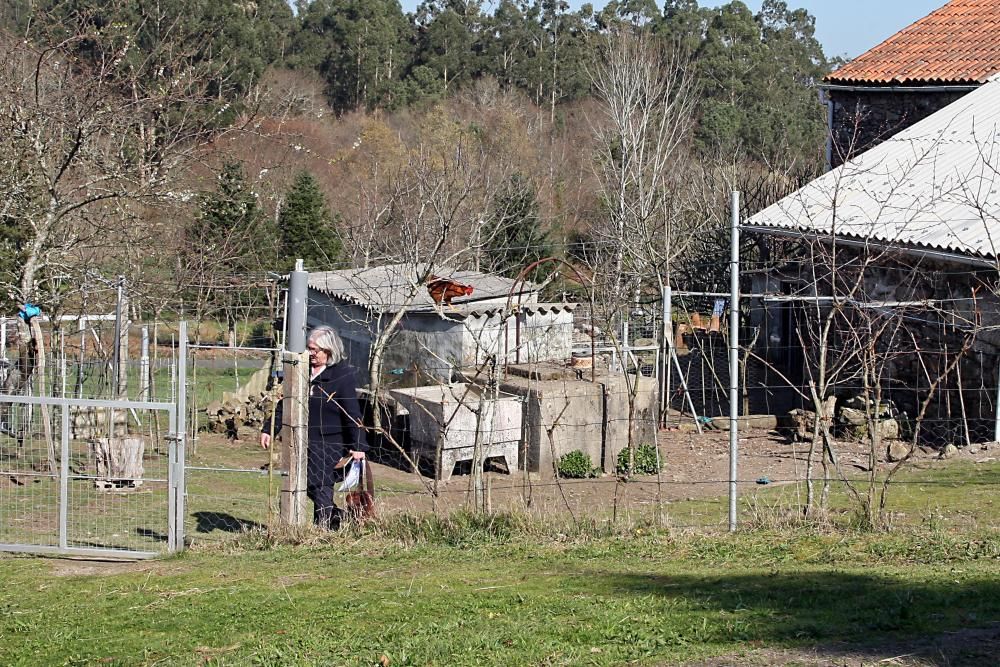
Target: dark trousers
column 325, row 513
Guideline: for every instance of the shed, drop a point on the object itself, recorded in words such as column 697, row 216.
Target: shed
column 920, row 213
column 433, row 342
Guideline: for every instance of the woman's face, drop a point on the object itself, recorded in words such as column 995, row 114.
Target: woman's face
column 317, row 356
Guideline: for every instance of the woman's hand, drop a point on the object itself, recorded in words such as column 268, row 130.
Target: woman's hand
column 265, row 440
column 357, row 456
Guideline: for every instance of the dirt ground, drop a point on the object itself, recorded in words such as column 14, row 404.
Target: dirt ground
column 973, row 647
column 696, row 468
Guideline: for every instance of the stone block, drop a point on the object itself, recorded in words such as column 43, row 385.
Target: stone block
column 897, row 451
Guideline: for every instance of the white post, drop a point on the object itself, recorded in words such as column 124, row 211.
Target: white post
column 81, row 326
column 180, row 436
column 63, row 368
column 734, row 354
column 625, row 343
column 668, row 339
column 144, row 367
column 116, row 364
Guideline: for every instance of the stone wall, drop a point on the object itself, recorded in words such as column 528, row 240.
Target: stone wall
column 864, row 118
column 950, row 305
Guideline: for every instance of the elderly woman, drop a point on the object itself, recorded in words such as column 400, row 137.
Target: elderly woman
column 335, row 428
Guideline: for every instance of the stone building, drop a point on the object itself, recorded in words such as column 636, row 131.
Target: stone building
column 916, row 72
column 909, row 232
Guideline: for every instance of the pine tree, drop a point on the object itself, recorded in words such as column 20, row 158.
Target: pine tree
column 306, row 227
column 230, row 238
column 517, row 238
column 230, row 223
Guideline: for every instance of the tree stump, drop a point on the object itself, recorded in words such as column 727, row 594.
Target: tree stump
column 119, row 462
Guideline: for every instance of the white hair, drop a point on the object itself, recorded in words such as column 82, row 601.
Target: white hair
column 327, row 339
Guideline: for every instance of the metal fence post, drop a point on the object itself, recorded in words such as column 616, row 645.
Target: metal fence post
column 734, row 355
column 64, row 480
column 181, row 437
column 144, row 394
column 668, row 341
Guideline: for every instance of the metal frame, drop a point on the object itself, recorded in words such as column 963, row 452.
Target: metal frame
column 175, row 476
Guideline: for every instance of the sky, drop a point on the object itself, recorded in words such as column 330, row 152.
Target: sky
column 844, row 27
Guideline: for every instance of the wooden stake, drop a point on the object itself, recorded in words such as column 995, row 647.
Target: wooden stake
column 294, row 438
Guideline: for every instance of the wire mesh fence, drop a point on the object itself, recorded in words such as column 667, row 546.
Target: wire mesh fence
column 232, row 483
column 691, row 490
column 85, row 476
column 605, row 391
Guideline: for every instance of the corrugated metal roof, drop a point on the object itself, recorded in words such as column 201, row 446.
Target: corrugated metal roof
column 958, row 43
column 474, row 310
column 393, row 286
column 935, row 185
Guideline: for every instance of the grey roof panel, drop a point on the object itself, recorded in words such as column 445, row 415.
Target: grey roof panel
column 390, row 287
column 934, row 185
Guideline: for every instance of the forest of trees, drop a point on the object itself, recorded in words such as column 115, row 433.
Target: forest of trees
column 180, row 141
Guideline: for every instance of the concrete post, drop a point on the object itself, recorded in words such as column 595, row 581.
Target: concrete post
column 295, row 406
column 180, row 435
column 668, row 342
column 144, row 394
column 121, row 348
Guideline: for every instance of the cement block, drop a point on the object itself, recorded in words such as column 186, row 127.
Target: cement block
column 565, row 415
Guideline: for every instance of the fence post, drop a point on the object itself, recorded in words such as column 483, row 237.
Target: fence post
column 144, row 394
column 295, row 413
column 181, row 436
column 668, row 342
column 734, row 355
column 64, row 455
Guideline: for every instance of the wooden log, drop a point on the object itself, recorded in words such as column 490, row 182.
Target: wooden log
column 119, row 461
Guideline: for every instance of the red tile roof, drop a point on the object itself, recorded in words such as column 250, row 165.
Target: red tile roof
column 957, row 44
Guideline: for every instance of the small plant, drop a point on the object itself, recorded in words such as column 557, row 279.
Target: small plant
column 575, row 465
column 647, row 461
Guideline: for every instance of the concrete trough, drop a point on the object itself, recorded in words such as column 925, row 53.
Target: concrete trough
column 444, row 421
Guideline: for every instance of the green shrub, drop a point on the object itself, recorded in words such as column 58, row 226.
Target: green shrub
column 647, row 461
column 575, row 465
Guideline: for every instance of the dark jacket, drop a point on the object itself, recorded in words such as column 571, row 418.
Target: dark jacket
column 335, row 422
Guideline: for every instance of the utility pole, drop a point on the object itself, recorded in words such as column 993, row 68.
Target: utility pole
column 295, row 406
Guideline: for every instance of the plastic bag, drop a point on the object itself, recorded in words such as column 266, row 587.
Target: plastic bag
column 353, row 477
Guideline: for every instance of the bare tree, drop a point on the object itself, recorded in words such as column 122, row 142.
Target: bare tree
column 96, row 133
column 648, row 96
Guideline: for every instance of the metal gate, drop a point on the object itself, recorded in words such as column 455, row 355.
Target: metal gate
column 89, row 477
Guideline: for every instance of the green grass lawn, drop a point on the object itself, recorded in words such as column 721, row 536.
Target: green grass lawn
column 497, row 596
column 507, row 589
column 959, row 495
